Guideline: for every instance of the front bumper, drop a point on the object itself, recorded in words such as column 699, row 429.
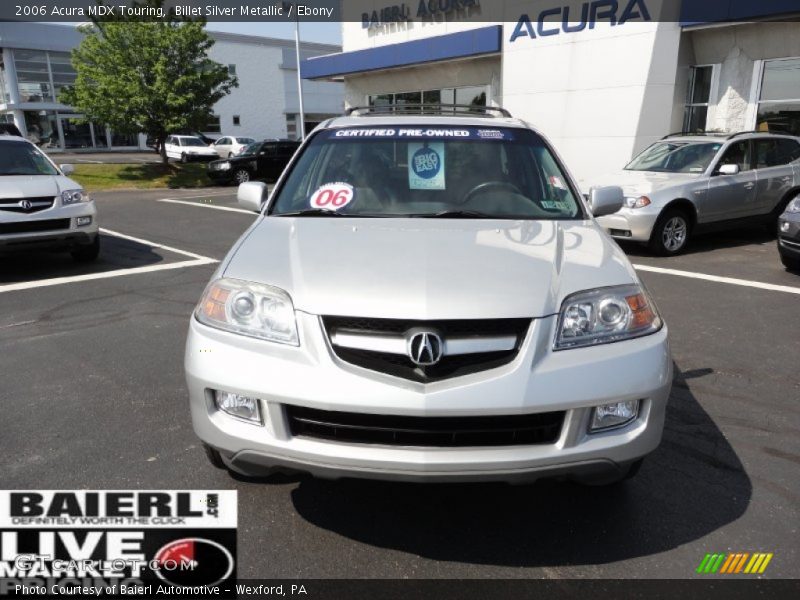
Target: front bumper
column 220, row 175
column 538, row 380
column 789, row 235
column 634, row 224
column 53, row 228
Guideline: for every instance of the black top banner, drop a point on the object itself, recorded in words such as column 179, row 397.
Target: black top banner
column 137, row 10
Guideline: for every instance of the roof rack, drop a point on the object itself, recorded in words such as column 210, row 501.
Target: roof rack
column 738, row 133
column 696, row 133
column 456, row 110
column 726, row 135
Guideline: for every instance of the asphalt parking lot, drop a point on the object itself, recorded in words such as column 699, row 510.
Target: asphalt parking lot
column 93, row 391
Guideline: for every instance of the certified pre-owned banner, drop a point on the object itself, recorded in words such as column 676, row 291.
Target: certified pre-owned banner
column 117, row 543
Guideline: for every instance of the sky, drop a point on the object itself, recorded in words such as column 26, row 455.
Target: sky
column 324, row 33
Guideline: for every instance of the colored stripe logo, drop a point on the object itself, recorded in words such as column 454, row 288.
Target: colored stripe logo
column 735, row 563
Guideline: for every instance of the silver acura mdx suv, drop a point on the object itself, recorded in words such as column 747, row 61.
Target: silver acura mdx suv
column 687, row 184
column 427, row 298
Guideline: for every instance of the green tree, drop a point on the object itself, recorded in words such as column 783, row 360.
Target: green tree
column 152, row 76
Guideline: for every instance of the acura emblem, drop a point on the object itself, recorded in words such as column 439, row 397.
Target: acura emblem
column 25, row 204
column 424, row 347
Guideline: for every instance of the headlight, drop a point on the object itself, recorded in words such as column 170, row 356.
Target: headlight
column 794, row 206
column 74, row 196
column 606, row 315
column 639, row 202
column 224, row 166
column 252, row 309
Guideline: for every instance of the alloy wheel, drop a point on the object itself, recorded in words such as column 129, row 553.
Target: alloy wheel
column 673, row 236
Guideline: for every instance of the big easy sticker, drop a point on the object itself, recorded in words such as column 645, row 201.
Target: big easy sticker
column 426, row 166
column 332, row 196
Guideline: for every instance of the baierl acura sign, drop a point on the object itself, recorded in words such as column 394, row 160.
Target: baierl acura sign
column 553, row 21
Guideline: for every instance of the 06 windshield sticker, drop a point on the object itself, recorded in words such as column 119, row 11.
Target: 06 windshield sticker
column 426, row 166
column 401, row 133
column 332, row 196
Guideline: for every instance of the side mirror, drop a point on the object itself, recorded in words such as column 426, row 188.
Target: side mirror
column 251, row 195
column 729, row 170
column 606, row 200
column 67, row 169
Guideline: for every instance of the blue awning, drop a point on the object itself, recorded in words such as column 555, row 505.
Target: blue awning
column 700, row 12
column 475, row 42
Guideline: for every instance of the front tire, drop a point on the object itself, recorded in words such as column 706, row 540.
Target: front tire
column 241, row 176
column 87, row 253
column 792, row 264
column 671, row 233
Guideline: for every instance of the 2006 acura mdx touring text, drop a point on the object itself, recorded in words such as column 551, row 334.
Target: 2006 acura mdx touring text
column 427, row 298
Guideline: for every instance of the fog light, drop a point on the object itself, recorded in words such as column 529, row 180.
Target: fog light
column 785, row 226
column 613, row 415
column 238, row 406
column 82, row 221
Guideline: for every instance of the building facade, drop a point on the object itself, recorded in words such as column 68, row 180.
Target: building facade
column 35, row 65
column 602, row 79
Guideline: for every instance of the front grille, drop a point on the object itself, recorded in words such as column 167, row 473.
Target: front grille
column 36, row 204
column 449, row 366
column 394, row 430
column 791, row 243
column 34, row 226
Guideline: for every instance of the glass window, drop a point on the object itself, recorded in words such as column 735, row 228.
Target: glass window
column 237, row 120
column 737, row 154
column 471, row 96
column 464, row 172
column 698, row 95
column 20, row 158
column 77, row 133
column 33, row 76
column 408, row 98
column 212, row 125
column 122, row 139
column 672, row 157
column 775, row 152
column 42, row 128
column 779, row 105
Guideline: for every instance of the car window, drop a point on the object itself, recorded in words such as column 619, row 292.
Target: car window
column 192, row 141
column 788, row 150
column 245, row 140
column 737, row 154
column 500, row 173
column 287, row 149
column 676, row 157
column 22, row 158
column 771, row 153
column 269, row 149
column 251, row 150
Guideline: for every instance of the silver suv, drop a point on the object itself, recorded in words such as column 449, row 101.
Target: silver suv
column 685, row 185
column 428, row 298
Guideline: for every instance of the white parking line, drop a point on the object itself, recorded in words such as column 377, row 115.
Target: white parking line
column 197, row 260
column 729, row 280
column 212, row 206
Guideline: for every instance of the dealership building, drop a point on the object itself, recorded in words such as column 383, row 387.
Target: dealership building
column 35, row 65
column 602, row 79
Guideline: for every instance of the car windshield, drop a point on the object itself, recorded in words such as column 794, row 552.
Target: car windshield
column 676, row 157
column 192, row 141
column 22, row 158
column 250, row 150
column 245, row 140
column 424, row 171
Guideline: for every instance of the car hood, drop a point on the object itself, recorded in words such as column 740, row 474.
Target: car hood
column 644, row 182
column 34, row 186
column 428, row 269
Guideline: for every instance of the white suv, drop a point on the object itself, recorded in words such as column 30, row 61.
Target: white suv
column 40, row 207
column 428, row 298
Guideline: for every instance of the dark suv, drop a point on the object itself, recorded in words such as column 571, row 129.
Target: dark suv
column 262, row 160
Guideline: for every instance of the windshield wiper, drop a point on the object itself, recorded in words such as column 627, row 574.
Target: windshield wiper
column 456, row 214
column 310, row 212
